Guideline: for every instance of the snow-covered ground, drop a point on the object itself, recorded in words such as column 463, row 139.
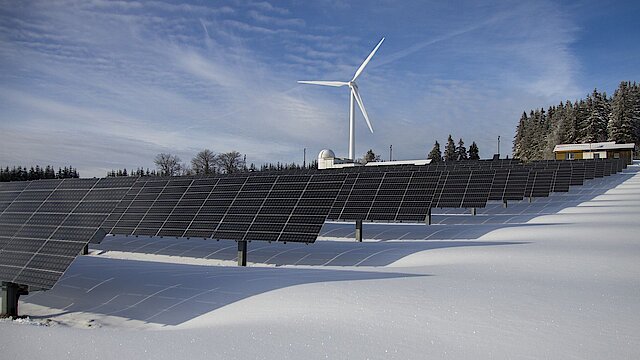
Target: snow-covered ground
column 558, row 278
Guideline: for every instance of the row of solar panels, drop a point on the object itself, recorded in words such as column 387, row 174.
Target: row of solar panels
column 45, row 224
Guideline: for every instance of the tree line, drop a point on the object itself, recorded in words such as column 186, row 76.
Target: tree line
column 37, row 172
column 597, row 118
column 453, row 152
column 206, row 162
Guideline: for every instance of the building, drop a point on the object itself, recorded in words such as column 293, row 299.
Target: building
column 327, row 160
column 602, row 150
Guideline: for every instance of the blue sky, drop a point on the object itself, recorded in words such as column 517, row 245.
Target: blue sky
column 109, row 84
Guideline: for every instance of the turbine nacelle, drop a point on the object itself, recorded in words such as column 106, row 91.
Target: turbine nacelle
column 354, row 96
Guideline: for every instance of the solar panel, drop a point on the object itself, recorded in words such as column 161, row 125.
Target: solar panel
column 418, row 196
column 539, row 183
column 362, row 196
column 589, row 169
column 608, row 167
column 577, row 172
column 280, row 208
column 389, row 196
column 47, row 225
column 599, row 168
column 477, row 191
column 451, row 189
column 499, row 184
column 44, row 224
column 516, row 184
column 562, row 179
column 342, row 197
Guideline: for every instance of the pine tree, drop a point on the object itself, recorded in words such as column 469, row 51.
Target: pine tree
column 595, row 125
column 461, row 151
column 518, row 140
column 635, row 100
column 621, row 127
column 450, row 150
column 556, row 114
column 474, row 152
column 435, row 154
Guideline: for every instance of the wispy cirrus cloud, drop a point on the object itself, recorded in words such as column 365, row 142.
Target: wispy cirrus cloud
column 131, row 79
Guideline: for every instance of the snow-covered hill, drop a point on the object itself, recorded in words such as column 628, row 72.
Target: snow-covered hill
column 554, row 279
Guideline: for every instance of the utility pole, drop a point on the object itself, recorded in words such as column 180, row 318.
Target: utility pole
column 391, row 152
column 498, row 145
column 304, row 158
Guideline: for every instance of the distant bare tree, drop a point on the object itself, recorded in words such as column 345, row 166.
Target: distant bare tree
column 231, row 162
column 204, row 163
column 168, row 164
column 185, row 170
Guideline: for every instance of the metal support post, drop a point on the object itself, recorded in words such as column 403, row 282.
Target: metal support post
column 428, row 219
column 474, row 211
column 242, row 253
column 359, row 230
column 504, row 204
column 10, row 294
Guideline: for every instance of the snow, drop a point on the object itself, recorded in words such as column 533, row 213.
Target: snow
column 556, row 278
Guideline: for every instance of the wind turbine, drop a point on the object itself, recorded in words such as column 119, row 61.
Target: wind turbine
column 354, row 95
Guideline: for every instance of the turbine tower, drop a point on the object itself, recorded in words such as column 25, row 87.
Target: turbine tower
column 354, row 95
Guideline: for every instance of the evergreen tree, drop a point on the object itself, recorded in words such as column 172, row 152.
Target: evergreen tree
column 435, row 154
column 555, row 114
column 518, row 140
column 461, row 151
column 595, row 126
column 622, row 127
column 450, row 150
column 569, row 129
column 474, row 152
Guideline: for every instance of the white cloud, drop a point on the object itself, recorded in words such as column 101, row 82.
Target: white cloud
column 128, row 80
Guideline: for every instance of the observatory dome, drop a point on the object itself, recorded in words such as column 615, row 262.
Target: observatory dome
column 326, row 154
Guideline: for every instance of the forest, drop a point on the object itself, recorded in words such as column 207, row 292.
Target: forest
column 597, row 118
column 37, row 172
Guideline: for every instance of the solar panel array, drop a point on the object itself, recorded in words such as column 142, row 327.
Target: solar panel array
column 45, row 224
column 463, row 189
column 385, row 196
column 246, row 207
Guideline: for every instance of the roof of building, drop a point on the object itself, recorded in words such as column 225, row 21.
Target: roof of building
column 611, row 145
column 399, row 162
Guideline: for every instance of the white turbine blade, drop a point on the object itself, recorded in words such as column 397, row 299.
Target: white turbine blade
column 356, row 95
column 324, row 83
column 366, row 61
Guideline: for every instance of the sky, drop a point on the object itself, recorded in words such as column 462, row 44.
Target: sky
column 103, row 85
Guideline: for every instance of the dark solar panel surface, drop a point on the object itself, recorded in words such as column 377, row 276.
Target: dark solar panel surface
column 284, row 207
column 418, row 196
column 539, row 183
column 577, row 173
column 589, row 169
column 44, row 224
column 385, row 196
column 47, row 224
column 562, row 179
column 516, row 183
column 463, row 189
column 499, row 184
